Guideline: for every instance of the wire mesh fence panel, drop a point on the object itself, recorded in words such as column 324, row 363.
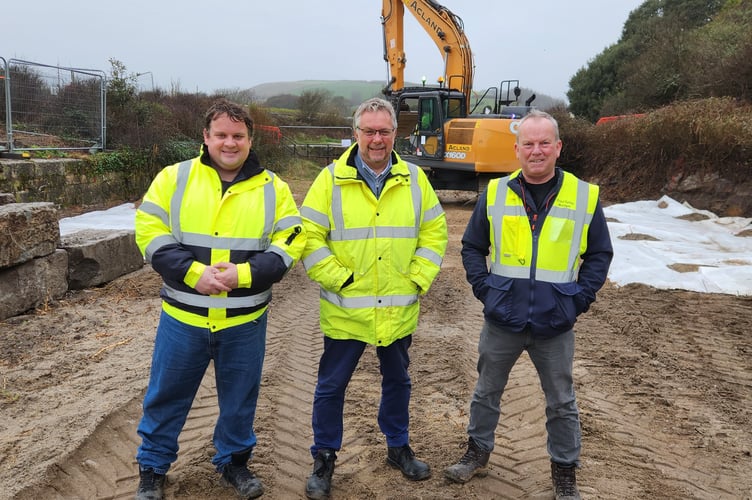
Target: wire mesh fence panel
column 53, row 107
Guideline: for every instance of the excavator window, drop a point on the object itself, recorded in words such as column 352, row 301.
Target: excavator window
column 454, row 108
column 428, row 116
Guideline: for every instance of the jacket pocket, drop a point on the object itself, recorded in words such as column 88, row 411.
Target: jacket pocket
column 564, row 313
column 498, row 304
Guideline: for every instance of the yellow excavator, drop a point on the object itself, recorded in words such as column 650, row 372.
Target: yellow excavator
column 458, row 145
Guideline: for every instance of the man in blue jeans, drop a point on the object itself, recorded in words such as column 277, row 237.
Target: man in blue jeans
column 220, row 230
column 550, row 251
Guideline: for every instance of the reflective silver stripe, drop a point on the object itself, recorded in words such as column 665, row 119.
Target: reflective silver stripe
column 157, row 243
column 581, row 219
column 497, row 212
column 184, row 170
column 208, row 241
column 316, row 257
column 396, row 232
column 196, row 300
column 337, row 213
column 360, row 233
column 510, row 271
column 417, row 195
column 286, row 258
column 433, row 212
column 555, row 276
column 270, row 211
column 152, row 208
column 429, row 254
column 288, row 222
column 524, row 273
column 316, row 216
column 371, row 301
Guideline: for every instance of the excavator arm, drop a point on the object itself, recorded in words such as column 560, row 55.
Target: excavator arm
column 445, row 29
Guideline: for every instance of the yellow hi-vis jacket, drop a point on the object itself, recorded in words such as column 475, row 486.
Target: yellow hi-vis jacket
column 186, row 223
column 392, row 248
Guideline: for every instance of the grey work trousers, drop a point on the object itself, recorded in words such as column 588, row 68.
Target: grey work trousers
column 498, row 351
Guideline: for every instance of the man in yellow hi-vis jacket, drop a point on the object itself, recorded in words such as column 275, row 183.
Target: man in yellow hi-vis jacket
column 376, row 237
column 220, row 230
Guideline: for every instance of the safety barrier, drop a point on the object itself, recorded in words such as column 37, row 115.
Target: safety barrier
column 45, row 107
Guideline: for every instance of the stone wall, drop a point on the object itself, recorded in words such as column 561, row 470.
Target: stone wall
column 68, row 182
column 38, row 266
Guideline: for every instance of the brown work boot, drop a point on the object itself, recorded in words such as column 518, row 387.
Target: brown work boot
column 565, row 482
column 472, row 463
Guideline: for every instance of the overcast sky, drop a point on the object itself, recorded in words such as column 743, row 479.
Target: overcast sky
column 202, row 46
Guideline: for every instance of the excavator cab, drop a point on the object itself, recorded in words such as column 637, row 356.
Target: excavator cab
column 421, row 117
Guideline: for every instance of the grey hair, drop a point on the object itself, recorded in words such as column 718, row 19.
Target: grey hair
column 541, row 115
column 371, row 106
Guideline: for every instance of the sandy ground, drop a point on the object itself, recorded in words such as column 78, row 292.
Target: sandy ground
column 664, row 384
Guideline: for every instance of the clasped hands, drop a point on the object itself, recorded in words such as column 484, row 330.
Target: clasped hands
column 218, row 278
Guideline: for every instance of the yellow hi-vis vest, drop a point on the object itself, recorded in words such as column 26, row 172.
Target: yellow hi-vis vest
column 554, row 256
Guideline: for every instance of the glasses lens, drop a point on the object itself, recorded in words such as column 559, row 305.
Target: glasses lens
column 372, row 133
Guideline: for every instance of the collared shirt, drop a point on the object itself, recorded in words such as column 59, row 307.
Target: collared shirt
column 375, row 181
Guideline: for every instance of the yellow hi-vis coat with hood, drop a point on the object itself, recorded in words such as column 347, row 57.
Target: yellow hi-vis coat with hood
column 187, row 223
column 372, row 257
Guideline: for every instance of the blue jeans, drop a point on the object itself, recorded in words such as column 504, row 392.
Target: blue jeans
column 337, row 364
column 181, row 356
column 553, row 357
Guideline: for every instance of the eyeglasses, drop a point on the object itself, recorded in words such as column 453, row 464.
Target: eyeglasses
column 372, row 133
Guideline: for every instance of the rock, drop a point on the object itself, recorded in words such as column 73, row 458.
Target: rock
column 96, row 256
column 33, row 283
column 27, row 231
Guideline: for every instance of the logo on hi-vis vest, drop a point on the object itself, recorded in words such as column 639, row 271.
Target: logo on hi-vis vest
column 457, row 151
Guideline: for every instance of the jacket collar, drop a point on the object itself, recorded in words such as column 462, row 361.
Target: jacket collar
column 251, row 166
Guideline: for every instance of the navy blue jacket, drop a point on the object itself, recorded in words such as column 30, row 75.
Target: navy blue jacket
column 547, row 309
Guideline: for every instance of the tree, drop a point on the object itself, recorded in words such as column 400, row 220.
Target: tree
column 311, row 103
column 647, row 67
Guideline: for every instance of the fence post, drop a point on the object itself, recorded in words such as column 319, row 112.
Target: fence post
column 6, row 89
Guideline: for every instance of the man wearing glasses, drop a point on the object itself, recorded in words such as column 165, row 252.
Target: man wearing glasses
column 376, row 237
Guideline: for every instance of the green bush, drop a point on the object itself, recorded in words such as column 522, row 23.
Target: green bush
column 647, row 152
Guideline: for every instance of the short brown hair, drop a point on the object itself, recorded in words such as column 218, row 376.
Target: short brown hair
column 233, row 111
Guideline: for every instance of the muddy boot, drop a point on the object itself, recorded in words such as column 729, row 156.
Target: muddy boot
column 565, row 482
column 472, row 463
column 237, row 475
column 150, row 485
column 320, row 481
column 403, row 458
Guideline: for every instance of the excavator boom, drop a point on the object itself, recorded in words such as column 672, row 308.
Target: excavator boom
column 447, row 31
column 437, row 128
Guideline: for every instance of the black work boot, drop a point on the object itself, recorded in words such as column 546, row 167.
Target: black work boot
column 150, row 485
column 472, row 463
column 403, row 458
column 565, row 482
column 320, row 481
column 237, row 475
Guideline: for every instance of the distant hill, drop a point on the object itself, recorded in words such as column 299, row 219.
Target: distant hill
column 352, row 90
column 356, row 91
